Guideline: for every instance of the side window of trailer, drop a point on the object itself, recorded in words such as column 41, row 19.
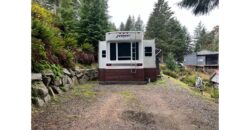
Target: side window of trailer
column 148, row 51
column 103, row 53
column 112, row 51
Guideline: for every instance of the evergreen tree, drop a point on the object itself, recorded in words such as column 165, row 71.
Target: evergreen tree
column 139, row 24
column 170, row 35
column 122, row 26
column 93, row 21
column 215, row 39
column 133, row 24
column 129, row 24
column 199, row 6
column 158, row 19
column 112, row 27
column 67, row 16
column 205, row 40
column 174, row 37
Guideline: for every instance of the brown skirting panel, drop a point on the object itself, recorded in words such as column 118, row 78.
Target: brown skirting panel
column 114, row 75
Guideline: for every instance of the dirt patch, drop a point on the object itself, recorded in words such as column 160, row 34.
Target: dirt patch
column 139, row 117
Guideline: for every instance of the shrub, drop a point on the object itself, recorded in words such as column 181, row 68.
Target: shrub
column 39, row 66
column 41, row 29
column 38, row 50
column 48, row 45
column 57, row 70
column 66, row 58
column 85, row 58
column 190, row 80
column 183, row 72
column 170, row 73
column 215, row 93
column 70, row 41
column 41, row 13
column 162, row 66
column 170, row 62
column 88, row 48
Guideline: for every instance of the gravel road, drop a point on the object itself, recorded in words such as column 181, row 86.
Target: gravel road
column 163, row 105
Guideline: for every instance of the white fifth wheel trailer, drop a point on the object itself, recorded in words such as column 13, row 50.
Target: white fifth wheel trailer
column 125, row 57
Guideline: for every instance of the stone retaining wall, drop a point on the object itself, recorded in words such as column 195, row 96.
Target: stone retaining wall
column 45, row 85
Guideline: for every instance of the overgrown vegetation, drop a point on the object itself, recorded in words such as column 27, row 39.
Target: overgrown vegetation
column 188, row 77
column 66, row 32
column 205, row 40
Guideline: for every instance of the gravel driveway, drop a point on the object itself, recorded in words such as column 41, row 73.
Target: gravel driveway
column 163, row 105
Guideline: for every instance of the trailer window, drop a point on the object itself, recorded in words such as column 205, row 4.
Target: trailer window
column 103, row 53
column 124, row 51
column 112, row 51
column 148, row 51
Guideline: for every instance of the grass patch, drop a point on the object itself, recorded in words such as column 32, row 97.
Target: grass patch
column 192, row 90
column 131, row 99
column 127, row 94
column 85, row 91
column 186, row 78
column 170, row 73
column 189, row 80
column 161, row 81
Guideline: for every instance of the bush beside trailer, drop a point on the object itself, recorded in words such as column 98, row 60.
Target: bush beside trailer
column 125, row 57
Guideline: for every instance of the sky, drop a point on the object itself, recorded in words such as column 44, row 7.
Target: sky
column 119, row 10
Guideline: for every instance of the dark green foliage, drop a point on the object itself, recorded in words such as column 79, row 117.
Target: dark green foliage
column 206, row 40
column 88, row 48
column 157, row 20
column 199, row 6
column 57, row 70
column 67, row 31
column 67, row 16
column 93, row 21
column 170, row 62
column 170, row 35
column 112, row 27
column 70, row 41
column 38, row 50
column 47, row 42
column 41, row 65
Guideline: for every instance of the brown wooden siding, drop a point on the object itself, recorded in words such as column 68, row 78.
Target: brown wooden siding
column 127, row 74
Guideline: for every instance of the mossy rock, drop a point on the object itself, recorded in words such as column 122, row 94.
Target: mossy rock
column 39, row 89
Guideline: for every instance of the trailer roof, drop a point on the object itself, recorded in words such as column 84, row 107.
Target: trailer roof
column 206, row 52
